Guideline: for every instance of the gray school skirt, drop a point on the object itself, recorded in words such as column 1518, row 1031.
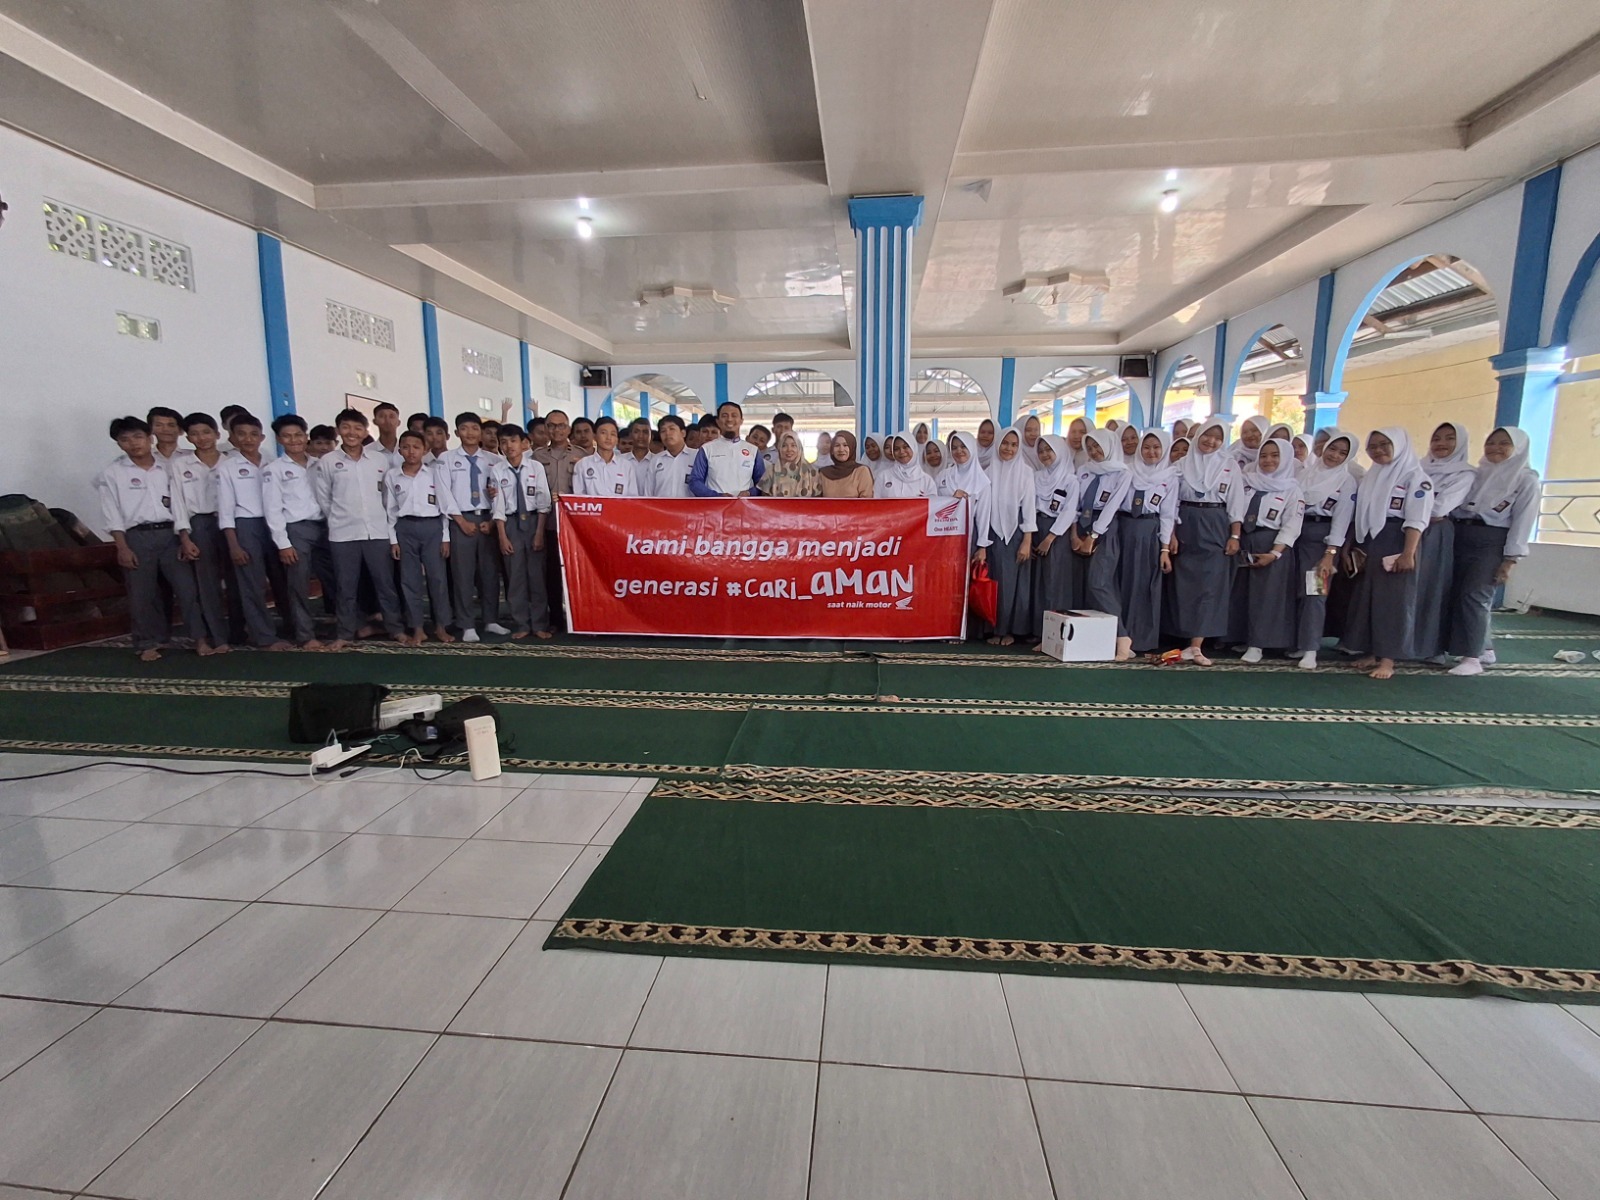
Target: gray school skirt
column 1383, row 610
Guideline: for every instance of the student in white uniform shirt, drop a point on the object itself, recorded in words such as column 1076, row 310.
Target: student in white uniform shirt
column 603, row 473
column 637, row 455
column 349, row 486
column 728, row 465
column 143, row 512
column 522, row 506
column 420, row 511
column 194, row 473
column 1493, row 525
column 241, row 511
column 298, row 528
column 436, row 432
column 670, row 470
column 386, row 421
column 474, row 563
column 166, row 426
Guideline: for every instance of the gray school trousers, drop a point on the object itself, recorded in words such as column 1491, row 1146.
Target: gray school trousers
column 525, row 590
column 350, row 559
column 421, row 540
column 475, row 574
column 155, row 547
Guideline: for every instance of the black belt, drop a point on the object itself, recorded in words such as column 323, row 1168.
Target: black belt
column 408, row 517
column 1140, row 516
column 1203, row 504
column 1469, row 521
column 475, row 512
column 309, row 521
column 1323, row 520
column 150, row 525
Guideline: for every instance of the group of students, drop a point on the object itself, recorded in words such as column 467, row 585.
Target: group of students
column 1188, row 538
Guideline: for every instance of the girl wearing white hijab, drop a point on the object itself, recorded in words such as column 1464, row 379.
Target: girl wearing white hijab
column 872, row 448
column 985, row 443
column 1129, row 440
column 1202, row 571
column 1265, row 522
column 1076, row 433
column 1101, row 486
column 933, row 455
column 1492, row 529
column 1303, row 458
column 1029, row 430
column 965, row 478
column 1055, row 502
column 1393, row 505
column 903, row 478
column 1251, row 435
column 1452, row 474
column 1011, row 528
column 1328, row 492
column 1145, row 521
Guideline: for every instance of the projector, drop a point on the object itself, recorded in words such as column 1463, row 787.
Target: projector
column 408, row 708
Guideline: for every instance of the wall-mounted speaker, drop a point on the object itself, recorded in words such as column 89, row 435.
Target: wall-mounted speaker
column 1135, row 366
column 594, row 377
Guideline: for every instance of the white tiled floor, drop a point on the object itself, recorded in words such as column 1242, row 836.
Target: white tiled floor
column 252, row 989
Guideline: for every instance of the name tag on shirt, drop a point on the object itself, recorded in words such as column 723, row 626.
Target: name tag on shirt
column 432, row 499
column 1502, row 506
column 1397, row 503
column 166, row 502
column 1155, row 500
column 1105, row 495
column 1331, row 503
column 1222, row 490
column 619, row 488
column 1272, row 514
column 1055, row 504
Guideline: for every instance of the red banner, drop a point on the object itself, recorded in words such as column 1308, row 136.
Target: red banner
column 757, row 568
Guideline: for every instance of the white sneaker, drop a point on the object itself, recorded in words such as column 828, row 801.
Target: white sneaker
column 469, row 635
column 496, row 628
column 1487, row 657
column 1252, row 655
column 1308, row 661
column 1468, row 666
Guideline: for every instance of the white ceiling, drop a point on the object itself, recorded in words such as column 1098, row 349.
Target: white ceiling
column 443, row 145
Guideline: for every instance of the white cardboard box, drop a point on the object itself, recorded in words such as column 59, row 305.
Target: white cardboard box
column 1079, row 635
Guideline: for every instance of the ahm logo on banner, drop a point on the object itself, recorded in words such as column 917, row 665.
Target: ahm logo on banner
column 586, row 506
column 947, row 517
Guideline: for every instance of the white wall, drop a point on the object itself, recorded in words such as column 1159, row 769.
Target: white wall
column 325, row 364
column 481, row 394
column 1557, row 576
column 547, row 373
column 64, row 369
column 1577, row 224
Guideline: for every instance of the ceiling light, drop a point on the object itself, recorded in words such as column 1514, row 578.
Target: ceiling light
column 1172, row 175
column 585, row 228
column 1169, row 200
column 583, row 203
column 1067, row 287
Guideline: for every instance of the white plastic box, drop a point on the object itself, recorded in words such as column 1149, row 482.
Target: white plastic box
column 1079, row 635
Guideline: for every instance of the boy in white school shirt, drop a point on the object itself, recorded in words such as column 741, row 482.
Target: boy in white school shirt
column 194, row 473
column 298, row 528
column 143, row 512
column 420, row 512
column 349, row 486
column 605, row 472
column 522, row 505
column 242, row 513
column 474, row 565
column 669, row 470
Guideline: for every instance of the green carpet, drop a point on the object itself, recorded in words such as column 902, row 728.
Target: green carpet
column 1411, row 901
column 892, row 714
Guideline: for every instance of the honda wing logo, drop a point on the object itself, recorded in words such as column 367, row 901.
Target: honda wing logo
column 947, row 517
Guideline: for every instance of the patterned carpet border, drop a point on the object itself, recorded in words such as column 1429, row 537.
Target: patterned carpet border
column 981, row 780
column 1002, row 952
column 1486, row 815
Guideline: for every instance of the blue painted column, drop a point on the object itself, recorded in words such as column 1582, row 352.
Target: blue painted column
column 1527, row 371
column 1008, row 392
column 883, row 227
column 933, row 429
column 527, row 383
column 607, row 406
column 719, row 374
column 1091, row 402
column 644, row 404
column 1221, row 388
column 430, row 351
column 275, row 324
column 672, row 409
column 1056, row 406
column 1322, row 406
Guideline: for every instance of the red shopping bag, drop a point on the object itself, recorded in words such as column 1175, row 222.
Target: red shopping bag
column 983, row 595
